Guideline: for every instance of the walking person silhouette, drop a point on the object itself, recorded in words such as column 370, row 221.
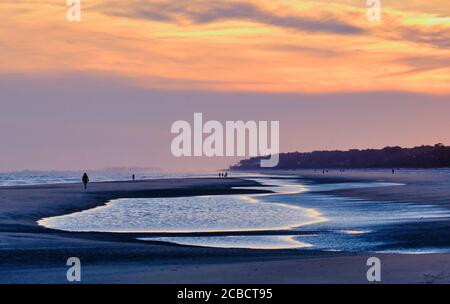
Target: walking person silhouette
column 85, row 180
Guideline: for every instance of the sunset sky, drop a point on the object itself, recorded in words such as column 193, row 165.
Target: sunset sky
column 105, row 91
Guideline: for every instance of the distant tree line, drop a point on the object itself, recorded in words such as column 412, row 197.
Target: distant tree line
column 437, row 156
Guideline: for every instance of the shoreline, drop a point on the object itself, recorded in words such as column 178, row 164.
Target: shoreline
column 34, row 254
column 70, row 197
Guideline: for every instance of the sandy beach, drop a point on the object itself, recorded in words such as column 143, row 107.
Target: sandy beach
column 30, row 253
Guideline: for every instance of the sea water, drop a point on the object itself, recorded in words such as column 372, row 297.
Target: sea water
column 297, row 215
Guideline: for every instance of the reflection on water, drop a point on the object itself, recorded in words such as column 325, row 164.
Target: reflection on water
column 337, row 223
column 354, row 231
column 253, row 242
column 222, row 213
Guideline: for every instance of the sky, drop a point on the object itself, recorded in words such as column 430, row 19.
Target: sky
column 103, row 92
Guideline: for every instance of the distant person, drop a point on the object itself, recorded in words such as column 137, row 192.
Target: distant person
column 393, row 171
column 226, row 175
column 85, row 180
column 133, row 177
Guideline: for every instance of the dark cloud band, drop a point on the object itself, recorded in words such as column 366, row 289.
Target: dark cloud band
column 203, row 12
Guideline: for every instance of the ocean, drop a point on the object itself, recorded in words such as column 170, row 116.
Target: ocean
column 23, row 178
column 299, row 215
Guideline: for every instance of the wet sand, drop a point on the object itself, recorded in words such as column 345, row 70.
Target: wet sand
column 33, row 254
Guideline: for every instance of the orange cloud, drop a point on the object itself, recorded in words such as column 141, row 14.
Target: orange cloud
column 267, row 46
